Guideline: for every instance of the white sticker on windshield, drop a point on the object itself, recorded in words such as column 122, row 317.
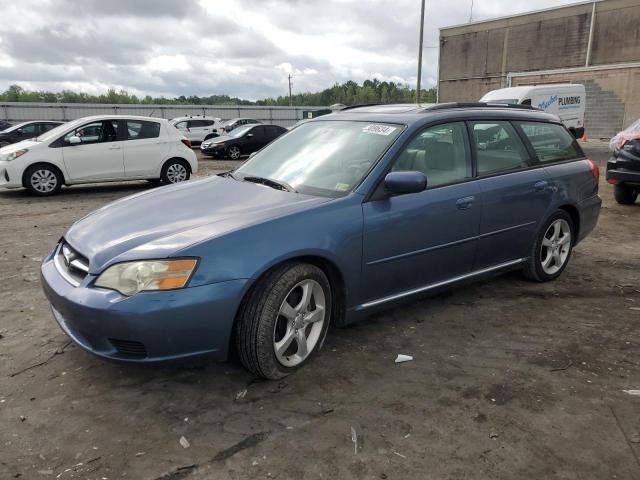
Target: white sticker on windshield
column 379, row 129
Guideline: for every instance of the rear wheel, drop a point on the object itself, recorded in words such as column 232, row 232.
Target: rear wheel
column 552, row 249
column 624, row 194
column 42, row 180
column 233, row 152
column 175, row 171
column 284, row 319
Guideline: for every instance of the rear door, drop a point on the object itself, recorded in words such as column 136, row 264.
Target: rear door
column 198, row 129
column 272, row 132
column 515, row 194
column 144, row 149
column 416, row 240
column 99, row 156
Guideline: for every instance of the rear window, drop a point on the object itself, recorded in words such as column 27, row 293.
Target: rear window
column 552, row 143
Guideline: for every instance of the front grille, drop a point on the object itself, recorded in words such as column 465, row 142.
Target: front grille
column 71, row 264
column 130, row 348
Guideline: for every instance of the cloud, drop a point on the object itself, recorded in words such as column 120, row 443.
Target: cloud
column 243, row 48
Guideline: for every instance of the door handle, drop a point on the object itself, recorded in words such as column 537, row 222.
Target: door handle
column 465, row 203
column 115, row 148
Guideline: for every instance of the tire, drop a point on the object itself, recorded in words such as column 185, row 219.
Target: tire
column 175, row 171
column 548, row 245
column 233, row 152
column 42, row 180
column 272, row 314
column 625, row 195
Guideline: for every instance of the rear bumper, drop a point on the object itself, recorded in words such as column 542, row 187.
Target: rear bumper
column 623, row 168
column 589, row 213
column 149, row 326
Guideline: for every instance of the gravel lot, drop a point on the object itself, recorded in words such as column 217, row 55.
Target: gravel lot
column 511, row 379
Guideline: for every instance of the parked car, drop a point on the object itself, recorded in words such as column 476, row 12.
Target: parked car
column 242, row 141
column 623, row 168
column 197, row 128
column 24, row 131
column 98, row 149
column 567, row 100
column 234, row 123
column 4, row 125
column 342, row 216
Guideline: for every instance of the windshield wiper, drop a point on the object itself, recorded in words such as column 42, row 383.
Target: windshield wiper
column 271, row 183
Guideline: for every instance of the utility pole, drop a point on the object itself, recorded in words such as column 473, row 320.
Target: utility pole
column 290, row 99
column 420, row 53
column 471, row 13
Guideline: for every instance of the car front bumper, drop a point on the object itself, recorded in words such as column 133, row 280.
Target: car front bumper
column 10, row 175
column 213, row 150
column 149, row 326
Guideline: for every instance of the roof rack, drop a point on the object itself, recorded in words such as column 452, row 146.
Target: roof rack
column 351, row 107
column 442, row 106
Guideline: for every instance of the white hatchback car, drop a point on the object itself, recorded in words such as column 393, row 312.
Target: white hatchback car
column 98, row 149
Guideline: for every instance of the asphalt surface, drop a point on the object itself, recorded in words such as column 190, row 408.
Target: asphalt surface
column 510, row 379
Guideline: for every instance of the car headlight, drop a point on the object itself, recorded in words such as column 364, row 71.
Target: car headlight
column 130, row 278
column 7, row 157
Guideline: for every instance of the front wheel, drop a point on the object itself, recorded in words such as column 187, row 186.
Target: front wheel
column 233, row 152
column 284, row 319
column 552, row 249
column 624, row 194
column 42, row 180
column 175, row 171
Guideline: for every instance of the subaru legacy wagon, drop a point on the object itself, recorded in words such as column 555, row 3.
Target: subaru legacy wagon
column 341, row 216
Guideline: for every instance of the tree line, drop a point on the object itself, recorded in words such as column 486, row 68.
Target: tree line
column 347, row 93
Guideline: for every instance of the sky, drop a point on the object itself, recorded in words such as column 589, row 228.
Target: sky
column 243, row 48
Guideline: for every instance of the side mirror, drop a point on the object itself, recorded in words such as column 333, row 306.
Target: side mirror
column 74, row 140
column 19, row 131
column 405, row 182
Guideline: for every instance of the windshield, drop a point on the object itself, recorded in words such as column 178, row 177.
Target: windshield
column 326, row 158
column 238, row 132
column 13, row 128
column 59, row 130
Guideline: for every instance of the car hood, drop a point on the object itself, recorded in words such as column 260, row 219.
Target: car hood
column 14, row 147
column 160, row 222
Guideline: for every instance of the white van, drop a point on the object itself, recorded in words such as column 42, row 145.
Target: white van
column 566, row 100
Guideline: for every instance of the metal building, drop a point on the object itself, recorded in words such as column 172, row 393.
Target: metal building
column 595, row 43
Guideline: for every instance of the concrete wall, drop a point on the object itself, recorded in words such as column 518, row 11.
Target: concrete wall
column 476, row 58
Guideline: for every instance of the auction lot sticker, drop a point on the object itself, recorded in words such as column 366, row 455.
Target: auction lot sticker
column 379, row 129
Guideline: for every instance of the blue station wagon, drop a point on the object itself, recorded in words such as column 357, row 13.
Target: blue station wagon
column 341, row 216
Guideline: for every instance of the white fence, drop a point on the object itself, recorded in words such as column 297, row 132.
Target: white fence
column 23, row 111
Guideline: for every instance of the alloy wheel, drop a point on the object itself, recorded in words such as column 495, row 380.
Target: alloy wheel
column 176, row 173
column 299, row 323
column 234, row 153
column 44, row 181
column 556, row 245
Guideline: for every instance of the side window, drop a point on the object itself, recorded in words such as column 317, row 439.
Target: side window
column 552, row 143
column 181, row 125
column 96, row 132
column 440, row 152
column 48, row 126
column 207, row 123
column 30, row 130
column 258, row 132
column 139, row 129
column 499, row 148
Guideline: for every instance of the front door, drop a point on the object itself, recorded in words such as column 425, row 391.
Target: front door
column 515, row 197
column 99, row 155
column 414, row 241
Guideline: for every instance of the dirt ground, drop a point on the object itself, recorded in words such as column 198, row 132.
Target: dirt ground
column 510, row 379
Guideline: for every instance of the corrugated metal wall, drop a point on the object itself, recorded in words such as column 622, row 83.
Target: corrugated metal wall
column 22, row 111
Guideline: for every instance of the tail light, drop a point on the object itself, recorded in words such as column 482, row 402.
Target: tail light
column 595, row 170
column 187, row 142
